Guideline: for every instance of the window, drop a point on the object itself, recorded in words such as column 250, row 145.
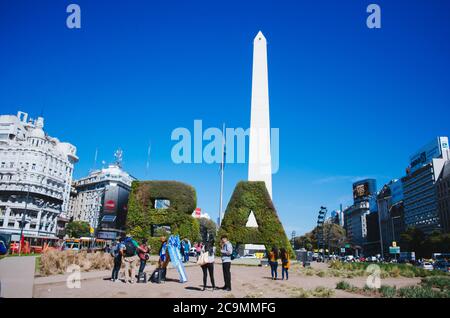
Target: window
column 109, row 218
column 162, row 204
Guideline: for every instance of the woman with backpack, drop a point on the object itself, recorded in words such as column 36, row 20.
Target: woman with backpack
column 285, row 263
column 273, row 262
column 206, row 262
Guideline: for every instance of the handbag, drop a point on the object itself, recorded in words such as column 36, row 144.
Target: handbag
column 203, row 259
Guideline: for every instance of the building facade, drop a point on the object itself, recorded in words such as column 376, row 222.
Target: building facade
column 35, row 176
column 391, row 213
column 443, row 196
column 101, row 199
column 419, row 186
column 355, row 216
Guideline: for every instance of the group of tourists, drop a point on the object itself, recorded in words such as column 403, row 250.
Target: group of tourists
column 130, row 253
column 273, row 257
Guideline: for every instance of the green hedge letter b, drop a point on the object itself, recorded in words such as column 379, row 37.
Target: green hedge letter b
column 73, row 21
column 374, row 19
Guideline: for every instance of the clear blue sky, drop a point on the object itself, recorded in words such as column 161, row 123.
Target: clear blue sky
column 350, row 102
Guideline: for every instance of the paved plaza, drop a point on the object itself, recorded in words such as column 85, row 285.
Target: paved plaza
column 247, row 281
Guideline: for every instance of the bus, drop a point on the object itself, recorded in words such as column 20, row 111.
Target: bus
column 89, row 244
column 33, row 244
column 441, row 256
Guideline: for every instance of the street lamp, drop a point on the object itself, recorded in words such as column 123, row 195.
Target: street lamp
column 23, row 221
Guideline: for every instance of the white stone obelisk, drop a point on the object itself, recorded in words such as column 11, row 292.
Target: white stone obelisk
column 260, row 162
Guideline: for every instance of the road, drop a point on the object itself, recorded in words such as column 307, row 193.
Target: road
column 17, row 276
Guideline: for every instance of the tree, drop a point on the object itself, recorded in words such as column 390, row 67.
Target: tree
column 414, row 240
column 334, row 236
column 207, row 229
column 78, row 229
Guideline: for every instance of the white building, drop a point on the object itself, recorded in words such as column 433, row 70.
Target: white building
column 35, row 176
column 101, row 199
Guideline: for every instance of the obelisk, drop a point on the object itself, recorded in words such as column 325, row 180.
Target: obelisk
column 260, row 162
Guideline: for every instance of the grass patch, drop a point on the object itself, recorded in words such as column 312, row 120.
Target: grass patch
column 322, row 292
column 440, row 282
column 351, row 270
column 388, row 291
column 420, row 292
column 37, row 265
column 56, row 262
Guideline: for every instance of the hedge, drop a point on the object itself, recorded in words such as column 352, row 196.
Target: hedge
column 142, row 215
column 253, row 196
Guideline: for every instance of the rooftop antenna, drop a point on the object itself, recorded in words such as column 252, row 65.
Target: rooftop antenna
column 119, row 157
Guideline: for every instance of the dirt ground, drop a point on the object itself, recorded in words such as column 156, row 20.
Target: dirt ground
column 247, row 281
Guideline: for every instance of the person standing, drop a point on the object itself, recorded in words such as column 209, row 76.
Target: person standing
column 198, row 249
column 187, row 248
column 226, row 251
column 116, row 253
column 285, row 263
column 208, row 265
column 130, row 258
column 273, row 262
column 143, row 251
column 163, row 261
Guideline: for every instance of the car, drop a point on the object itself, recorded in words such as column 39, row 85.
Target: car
column 192, row 252
column 442, row 266
column 427, row 266
column 249, row 256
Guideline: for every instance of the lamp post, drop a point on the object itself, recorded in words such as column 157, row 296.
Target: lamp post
column 23, row 221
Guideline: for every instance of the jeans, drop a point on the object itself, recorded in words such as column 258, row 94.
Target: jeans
column 116, row 268
column 226, row 267
column 208, row 268
column 274, row 269
column 141, row 266
column 186, row 256
column 284, row 270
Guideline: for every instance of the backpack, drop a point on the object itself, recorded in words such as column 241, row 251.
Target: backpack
column 130, row 248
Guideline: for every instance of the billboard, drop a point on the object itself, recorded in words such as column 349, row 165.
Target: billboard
column 363, row 189
column 114, row 212
column 438, row 148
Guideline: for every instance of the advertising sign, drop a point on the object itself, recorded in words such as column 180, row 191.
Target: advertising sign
column 107, row 235
column 361, row 190
column 394, row 249
column 434, row 149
